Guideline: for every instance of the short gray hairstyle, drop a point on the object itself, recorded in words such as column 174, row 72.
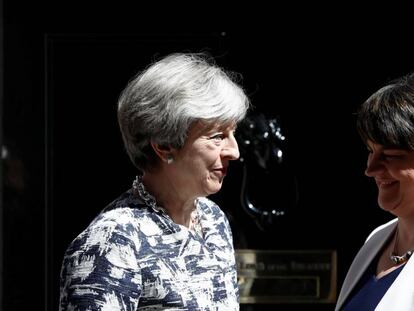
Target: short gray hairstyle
column 161, row 103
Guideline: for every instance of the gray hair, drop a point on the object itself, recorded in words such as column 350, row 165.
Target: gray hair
column 161, row 103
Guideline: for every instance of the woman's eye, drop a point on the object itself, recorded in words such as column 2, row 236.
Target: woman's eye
column 392, row 156
column 217, row 137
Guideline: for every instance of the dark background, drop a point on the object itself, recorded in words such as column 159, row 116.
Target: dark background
column 64, row 68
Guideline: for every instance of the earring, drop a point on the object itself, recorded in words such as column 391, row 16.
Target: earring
column 170, row 159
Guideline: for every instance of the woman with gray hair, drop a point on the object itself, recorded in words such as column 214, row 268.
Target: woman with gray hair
column 162, row 244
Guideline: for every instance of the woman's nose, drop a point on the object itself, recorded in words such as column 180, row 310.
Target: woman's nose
column 231, row 150
column 374, row 165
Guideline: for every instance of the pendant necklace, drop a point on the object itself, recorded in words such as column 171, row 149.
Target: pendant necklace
column 396, row 259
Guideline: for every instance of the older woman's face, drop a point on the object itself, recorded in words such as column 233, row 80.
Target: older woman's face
column 201, row 165
column 393, row 171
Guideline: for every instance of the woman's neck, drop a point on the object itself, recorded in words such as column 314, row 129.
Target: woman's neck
column 405, row 235
column 166, row 194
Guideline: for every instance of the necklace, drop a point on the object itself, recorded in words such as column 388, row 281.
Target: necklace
column 399, row 259
column 138, row 189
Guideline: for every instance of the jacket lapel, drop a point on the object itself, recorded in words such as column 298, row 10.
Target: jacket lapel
column 400, row 295
column 363, row 259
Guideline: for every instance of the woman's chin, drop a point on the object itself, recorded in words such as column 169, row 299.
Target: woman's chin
column 214, row 187
column 388, row 206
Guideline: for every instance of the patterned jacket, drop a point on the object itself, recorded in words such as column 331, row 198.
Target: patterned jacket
column 133, row 257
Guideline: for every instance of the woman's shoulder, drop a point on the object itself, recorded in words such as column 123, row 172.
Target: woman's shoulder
column 383, row 228
column 119, row 221
column 123, row 211
column 111, row 227
column 125, row 200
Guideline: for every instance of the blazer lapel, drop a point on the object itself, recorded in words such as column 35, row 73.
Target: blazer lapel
column 363, row 259
column 400, row 295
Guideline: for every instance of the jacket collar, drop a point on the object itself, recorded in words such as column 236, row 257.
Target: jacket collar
column 363, row 259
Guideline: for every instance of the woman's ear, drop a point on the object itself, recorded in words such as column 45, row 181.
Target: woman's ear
column 164, row 152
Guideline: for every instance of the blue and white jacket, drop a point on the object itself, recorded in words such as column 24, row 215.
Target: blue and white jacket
column 133, row 257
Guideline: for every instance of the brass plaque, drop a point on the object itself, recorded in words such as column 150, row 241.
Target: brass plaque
column 286, row 276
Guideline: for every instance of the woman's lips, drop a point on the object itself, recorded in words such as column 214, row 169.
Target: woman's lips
column 385, row 183
column 221, row 170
